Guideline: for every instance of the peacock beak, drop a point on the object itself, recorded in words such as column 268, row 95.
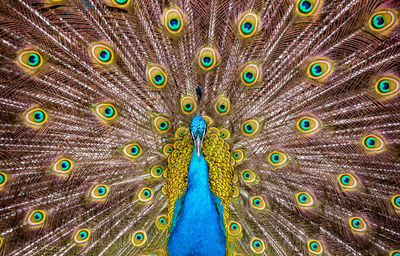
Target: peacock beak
column 198, row 142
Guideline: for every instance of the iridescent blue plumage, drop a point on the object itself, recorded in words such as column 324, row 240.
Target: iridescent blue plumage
column 197, row 228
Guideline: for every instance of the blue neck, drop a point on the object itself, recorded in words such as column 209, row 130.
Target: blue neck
column 198, row 229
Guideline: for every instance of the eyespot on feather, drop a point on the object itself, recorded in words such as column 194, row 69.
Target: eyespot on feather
column 106, row 111
column 139, row 238
column 320, row 69
column 156, row 171
column 119, row 3
column 188, row 104
column 81, row 236
column 235, row 229
column 36, row 218
column 304, row 199
column 277, row 158
column 248, row 176
column 315, row 247
column 250, row 127
column 357, row 224
column 387, row 86
column 101, row 53
column 29, row 59
column 161, row 124
column 157, row 76
column 173, row 20
column 382, row 21
column 3, row 179
column 307, row 7
column 258, row 203
column 251, row 74
column 224, row 133
column 167, row 149
column 308, row 125
column 257, row 245
column 35, row 117
column 208, row 58
column 161, row 222
column 132, row 150
column 396, row 202
column 373, row 143
column 99, row 191
column 248, row 24
column 62, row 166
column 235, row 191
column 145, row 194
column 347, row 181
column 238, row 155
column 395, row 253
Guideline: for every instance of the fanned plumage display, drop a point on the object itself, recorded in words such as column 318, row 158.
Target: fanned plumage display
column 193, row 127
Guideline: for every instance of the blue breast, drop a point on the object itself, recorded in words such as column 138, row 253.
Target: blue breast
column 197, row 227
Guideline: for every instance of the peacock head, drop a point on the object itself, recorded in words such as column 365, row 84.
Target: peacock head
column 198, row 129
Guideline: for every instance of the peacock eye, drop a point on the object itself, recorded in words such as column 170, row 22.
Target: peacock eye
column 188, row 104
column 156, row 171
column 257, row 245
column 382, row 20
column 235, row 191
column 251, row 74
column 162, row 124
column 62, row 166
column 277, row 158
column 208, row 58
column 248, row 24
column 238, row 155
column 139, row 238
column 307, row 7
column 99, row 191
column 235, row 229
column 157, row 77
column 121, row 2
column 132, row 150
column 319, row 69
column 101, row 53
column 248, row 176
column 167, row 149
column 30, row 60
column 387, row 86
column 250, row 127
column 357, row 224
column 106, row 111
column 3, row 178
column 224, row 133
column 315, row 247
column 395, row 253
column 307, row 124
column 373, row 143
column 173, row 20
column 36, row 217
column 257, row 202
column 180, row 132
column 347, row 181
column 222, row 105
column 35, row 117
column 161, row 222
column 304, row 199
column 145, row 194
column 81, row 236
column 396, row 202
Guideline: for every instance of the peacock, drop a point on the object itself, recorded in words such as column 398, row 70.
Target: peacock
column 200, row 127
